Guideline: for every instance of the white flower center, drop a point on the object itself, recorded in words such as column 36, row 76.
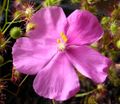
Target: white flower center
column 61, row 46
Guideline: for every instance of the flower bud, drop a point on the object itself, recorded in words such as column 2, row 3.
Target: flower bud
column 15, row 32
column 113, row 28
column 29, row 12
column 30, row 26
column 1, row 59
column 100, row 94
column 105, row 20
column 15, row 75
column 118, row 44
column 100, row 86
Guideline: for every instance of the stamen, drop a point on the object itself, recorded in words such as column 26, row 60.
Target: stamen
column 63, row 36
column 62, row 42
column 58, row 41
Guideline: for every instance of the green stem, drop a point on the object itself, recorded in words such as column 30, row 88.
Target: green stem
column 53, row 101
column 86, row 93
column 6, row 76
column 4, row 44
column 10, row 24
column 38, row 7
column 4, row 26
column 3, row 6
column 5, row 63
column 6, row 13
column 16, row 21
column 23, row 80
column 10, row 92
column 4, row 79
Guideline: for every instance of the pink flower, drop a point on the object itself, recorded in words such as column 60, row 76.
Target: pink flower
column 55, row 47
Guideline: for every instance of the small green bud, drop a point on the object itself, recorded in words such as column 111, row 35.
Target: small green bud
column 15, row 32
column 105, row 20
column 1, row 59
column 100, row 86
column 113, row 28
column 118, row 44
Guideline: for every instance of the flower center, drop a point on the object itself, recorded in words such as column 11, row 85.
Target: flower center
column 61, row 46
column 62, row 41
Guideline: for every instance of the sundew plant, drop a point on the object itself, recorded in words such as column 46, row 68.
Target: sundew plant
column 59, row 51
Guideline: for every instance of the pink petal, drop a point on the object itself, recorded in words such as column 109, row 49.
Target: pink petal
column 49, row 21
column 30, row 56
column 83, row 28
column 89, row 62
column 58, row 80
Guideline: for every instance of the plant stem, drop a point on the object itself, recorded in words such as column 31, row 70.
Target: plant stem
column 9, row 24
column 4, row 79
column 53, row 101
column 6, row 15
column 23, row 80
column 3, row 6
column 38, row 7
column 86, row 93
column 4, row 44
column 10, row 92
column 4, row 26
column 5, row 63
column 16, row 21
column 6, row 76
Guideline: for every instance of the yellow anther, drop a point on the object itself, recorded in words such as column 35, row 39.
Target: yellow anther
column 58, row 41
column 30, row 26
column 62, row 42
column 63, row 36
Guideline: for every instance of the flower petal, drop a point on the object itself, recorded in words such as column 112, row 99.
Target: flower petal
column 58, row 80
column 83, row 28
column 29, row 56
column 49, row 22
column 89, row 62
